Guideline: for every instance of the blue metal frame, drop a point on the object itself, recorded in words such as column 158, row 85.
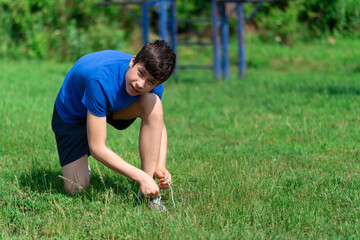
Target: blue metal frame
column 162, row 10
column 215, row 40
column 163, row 20
column 220, row 29
column 241, row 39
column 173, row 29
column 145, row 22
column 222, row 26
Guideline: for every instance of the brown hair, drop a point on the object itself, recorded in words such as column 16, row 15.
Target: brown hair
column 158, row 59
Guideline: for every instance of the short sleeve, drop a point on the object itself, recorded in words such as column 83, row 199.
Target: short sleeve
column 158, row 90
column 95, row 98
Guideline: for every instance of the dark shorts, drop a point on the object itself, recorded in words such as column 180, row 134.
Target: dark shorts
column 71, row 139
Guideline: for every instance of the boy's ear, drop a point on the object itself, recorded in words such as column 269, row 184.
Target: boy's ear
column 131, row 64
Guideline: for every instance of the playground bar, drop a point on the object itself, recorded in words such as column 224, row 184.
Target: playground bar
column 224, row 30
column 163, row 20
column 145, row 22
column 216, row 40
column 224, row 26
column 241, row 39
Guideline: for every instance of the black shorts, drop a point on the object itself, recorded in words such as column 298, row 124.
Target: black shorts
column 71, row 139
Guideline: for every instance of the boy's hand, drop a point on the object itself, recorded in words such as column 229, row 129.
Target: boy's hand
column 161, row 174
column 148, row 187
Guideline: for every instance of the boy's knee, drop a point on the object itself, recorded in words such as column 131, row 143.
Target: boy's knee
column 73, row 187
column 76, row 175
column 151, row 106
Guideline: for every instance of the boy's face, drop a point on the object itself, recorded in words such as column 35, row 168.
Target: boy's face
column 138, row 80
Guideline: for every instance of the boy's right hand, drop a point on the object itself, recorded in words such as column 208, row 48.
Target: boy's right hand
column 148, row 187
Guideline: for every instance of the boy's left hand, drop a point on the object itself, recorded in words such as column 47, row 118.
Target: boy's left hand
column 161, row 174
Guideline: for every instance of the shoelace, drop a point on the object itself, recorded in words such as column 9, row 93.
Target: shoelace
column 172, row 193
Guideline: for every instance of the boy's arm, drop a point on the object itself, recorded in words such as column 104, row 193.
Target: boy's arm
column 96, row 130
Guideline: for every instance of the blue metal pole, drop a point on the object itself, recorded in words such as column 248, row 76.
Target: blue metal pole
column 241, row 39
column 145, row 21
column 173, row 27
column 225, row 41
column 163, row 20
column 216, row 41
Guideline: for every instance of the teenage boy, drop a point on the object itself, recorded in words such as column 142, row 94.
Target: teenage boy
column 116, row 88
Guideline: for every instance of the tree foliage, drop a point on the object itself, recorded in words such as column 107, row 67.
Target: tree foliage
column 61, row 29
column 307, row 19
column 66, row 29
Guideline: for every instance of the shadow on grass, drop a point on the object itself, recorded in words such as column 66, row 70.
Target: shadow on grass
column 47, row 180
column 333, row 90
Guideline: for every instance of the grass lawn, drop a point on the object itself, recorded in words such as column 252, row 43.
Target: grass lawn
column 274, row 155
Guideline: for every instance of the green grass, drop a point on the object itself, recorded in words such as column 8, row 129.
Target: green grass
column 274, row 155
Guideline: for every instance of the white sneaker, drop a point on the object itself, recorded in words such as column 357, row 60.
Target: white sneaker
column 157, row 205
column 153, row 203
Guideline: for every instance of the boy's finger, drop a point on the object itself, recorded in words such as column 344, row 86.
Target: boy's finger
column 160, row 175
column 167, row 179
column 165, row 182
column 164, row 187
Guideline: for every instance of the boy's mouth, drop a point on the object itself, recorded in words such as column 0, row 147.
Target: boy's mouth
column 134, row 89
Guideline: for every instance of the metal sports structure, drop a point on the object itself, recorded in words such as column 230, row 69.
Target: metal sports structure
column 220, row 13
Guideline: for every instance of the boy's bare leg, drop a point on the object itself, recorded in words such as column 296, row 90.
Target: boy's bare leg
column 150, row 138
column 76, row 175
column 149, row 109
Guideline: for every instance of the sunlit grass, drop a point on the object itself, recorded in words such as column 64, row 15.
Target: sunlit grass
column 274, row 155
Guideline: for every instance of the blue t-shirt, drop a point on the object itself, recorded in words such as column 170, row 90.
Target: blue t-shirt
column 96, row 83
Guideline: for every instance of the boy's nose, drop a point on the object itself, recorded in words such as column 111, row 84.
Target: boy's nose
column 140, row 83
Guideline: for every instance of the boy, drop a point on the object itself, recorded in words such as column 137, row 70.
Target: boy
column 114, row 87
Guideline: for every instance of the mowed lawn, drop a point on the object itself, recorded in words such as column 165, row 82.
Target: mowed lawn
column 273, row 155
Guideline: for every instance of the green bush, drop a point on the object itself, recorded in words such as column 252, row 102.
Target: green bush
column 280, row 23
column 331, row 16
column 306, row 19
column 58, row 29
